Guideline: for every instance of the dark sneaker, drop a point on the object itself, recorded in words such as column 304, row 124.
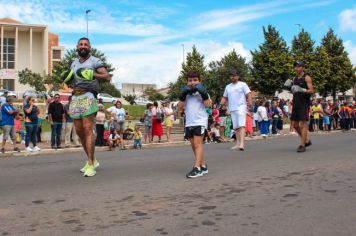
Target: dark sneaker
column 2, row 150
column 16, row 149
column 59, row 147
column 301, row 148
column 309, row 143
column 195, row 172
column 204, row 169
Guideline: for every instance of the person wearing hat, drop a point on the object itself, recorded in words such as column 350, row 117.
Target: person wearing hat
column 238, row 96
column 302, row 88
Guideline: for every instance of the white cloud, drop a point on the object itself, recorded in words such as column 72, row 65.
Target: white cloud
column 160, row 63
column 351, row 49
column 60, row 19
column 347, row 20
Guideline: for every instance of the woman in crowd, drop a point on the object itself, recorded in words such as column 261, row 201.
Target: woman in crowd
column 31, row 123
column 157, row 129
column 100, row 120
column 147, row 120
column 168, row 119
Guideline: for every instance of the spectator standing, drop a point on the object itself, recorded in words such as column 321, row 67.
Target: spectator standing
column 147, row 119
column 262, row 119
column 168, row 119
column 31, row 123
column 69, row 131
column 216, row 114
column 100, row 120
column 56, row 116
column 157, row 129
column 275, row 117
column 119, row 115
column 249, row 121
column 8, row 112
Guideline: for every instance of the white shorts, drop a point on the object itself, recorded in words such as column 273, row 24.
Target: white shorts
column 238, row 118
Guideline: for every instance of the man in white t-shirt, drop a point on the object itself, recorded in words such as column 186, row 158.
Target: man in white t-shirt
column 238, row 96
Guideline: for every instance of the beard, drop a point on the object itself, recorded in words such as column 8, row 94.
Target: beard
column 84, row 53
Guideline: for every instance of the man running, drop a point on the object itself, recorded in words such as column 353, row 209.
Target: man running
column 87, row 70
column 238, row 96
column 302, row 88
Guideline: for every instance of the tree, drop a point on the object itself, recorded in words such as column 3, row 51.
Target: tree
column 130, row 98
column 342, row 76
column 152, row 94
column 219, row 73
column 69, row 57
column 194, row 63
column 35, row 80
column 303, row 48
column 271, row 64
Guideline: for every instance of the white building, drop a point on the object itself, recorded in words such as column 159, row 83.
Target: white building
column 25, row 46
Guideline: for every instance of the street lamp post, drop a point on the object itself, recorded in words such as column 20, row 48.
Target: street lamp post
column 86, row 14
column 183, row 53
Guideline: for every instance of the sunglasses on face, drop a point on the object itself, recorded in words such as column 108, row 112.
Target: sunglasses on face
column 56, row 97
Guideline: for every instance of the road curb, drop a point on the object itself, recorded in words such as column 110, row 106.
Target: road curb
column 144, row 146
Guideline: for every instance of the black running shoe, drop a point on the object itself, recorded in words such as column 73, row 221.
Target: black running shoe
column 309, row 143
column 16, row 149
column 2, row 150
column 301, row 148
column 195, row 172
column 204, row 169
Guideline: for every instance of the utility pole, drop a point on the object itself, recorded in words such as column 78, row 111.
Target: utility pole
column 86, row 14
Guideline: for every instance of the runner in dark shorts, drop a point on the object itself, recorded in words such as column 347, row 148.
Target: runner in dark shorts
column 302, row 88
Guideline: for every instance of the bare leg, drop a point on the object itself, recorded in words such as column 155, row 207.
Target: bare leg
column 78, row 124
column 197, row 146
column 241, row 134
column 84, row 128
column 304, row 133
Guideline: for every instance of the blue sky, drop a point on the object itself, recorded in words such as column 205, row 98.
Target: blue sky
column 144, row 39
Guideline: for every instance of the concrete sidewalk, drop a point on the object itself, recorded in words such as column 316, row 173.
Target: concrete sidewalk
column 128, row 144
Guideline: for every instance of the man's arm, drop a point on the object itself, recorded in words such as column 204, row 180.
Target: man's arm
column 102, row 73
column 310, row 86
column 249, row 99
column 223, row 100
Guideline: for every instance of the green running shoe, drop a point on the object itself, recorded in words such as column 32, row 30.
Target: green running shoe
column 90, row 171
column 96, row 165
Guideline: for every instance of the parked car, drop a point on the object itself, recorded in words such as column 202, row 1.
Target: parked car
column 107, row 97
column 142, row 101
column 9, row 93
column 35, row 94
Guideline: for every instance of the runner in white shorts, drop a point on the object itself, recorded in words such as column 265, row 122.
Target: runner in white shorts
column 238, row 96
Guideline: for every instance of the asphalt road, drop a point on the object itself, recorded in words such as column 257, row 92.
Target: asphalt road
column 269, row 189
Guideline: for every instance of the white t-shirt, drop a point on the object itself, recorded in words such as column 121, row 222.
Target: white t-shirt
column 170, row 111
column 119, row 113
column 195, row 113
column 216, row 131
column 263, row 111
column 236, row 95
column 116, row 136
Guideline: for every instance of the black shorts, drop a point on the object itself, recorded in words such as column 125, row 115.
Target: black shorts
column 300, row 114
column 190, row 132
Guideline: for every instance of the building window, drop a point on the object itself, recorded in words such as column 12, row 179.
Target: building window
column 8, row 84
column 56, row 54
column 8, row 53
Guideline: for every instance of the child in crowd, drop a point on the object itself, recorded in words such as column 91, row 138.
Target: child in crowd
column 215, row 133
column 20, row 132
column 194, row 99
column 137, row 138
column 249, row 121
column 114, row 140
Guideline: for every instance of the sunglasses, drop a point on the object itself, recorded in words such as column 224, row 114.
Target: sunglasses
column 56, row 97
